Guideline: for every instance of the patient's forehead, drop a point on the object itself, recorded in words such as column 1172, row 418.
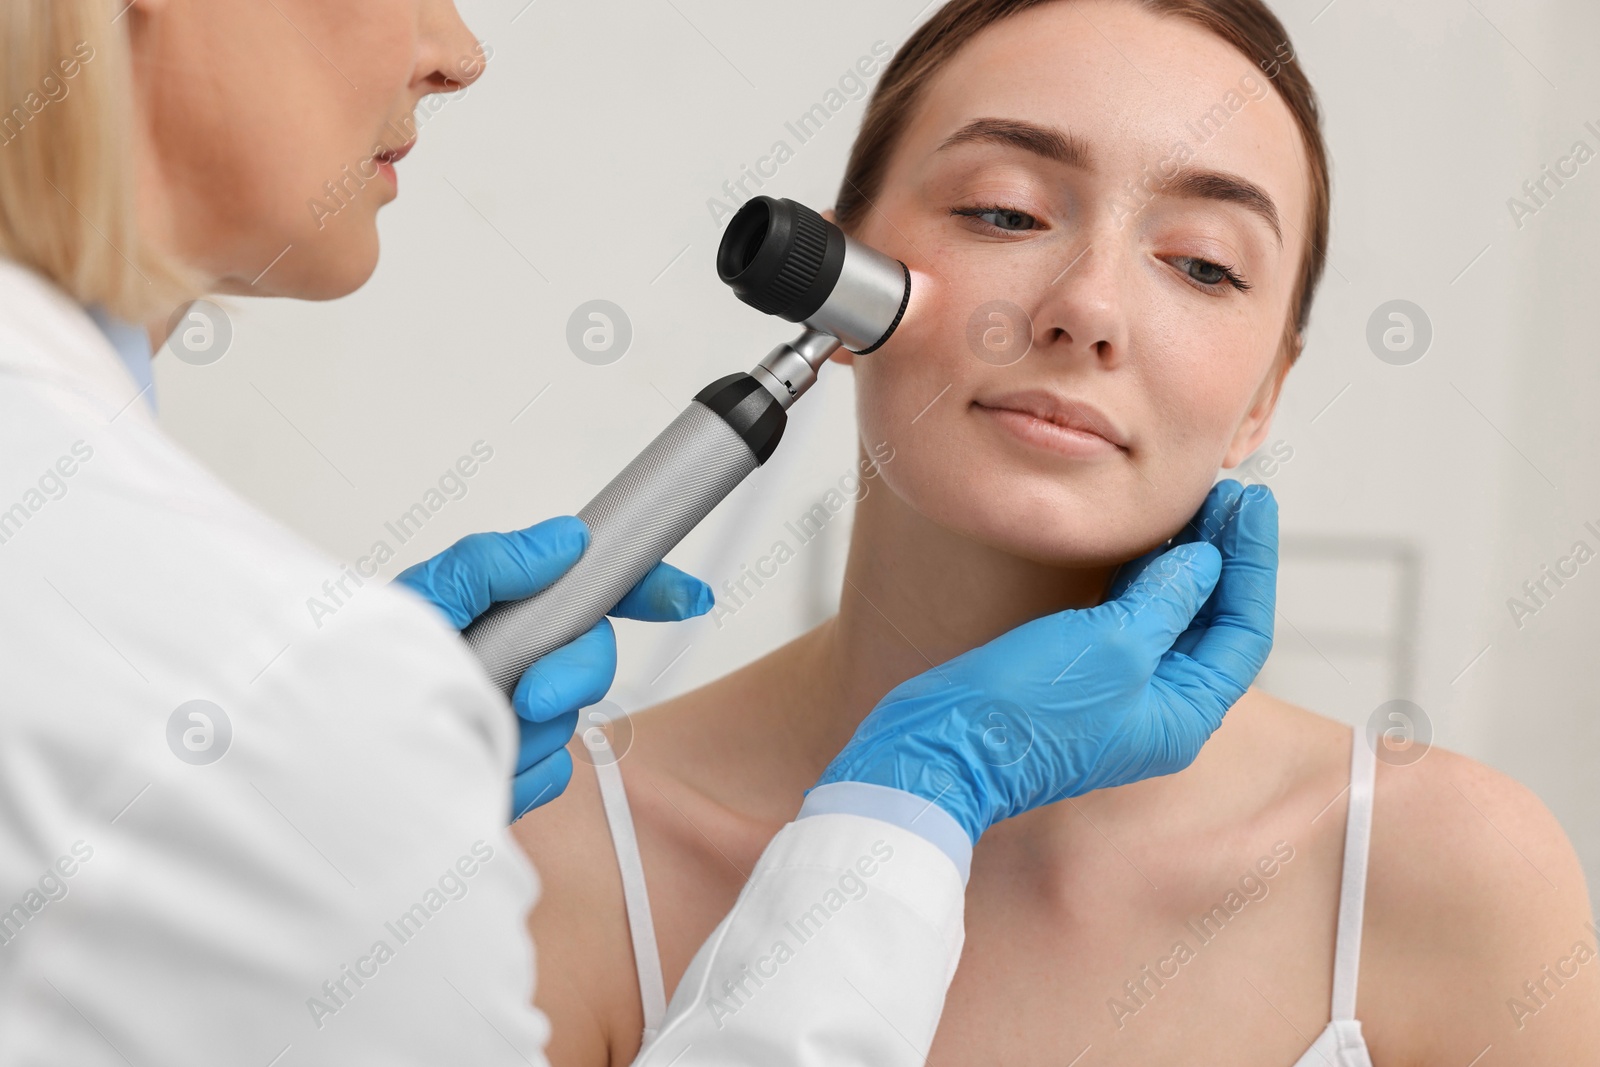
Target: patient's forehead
column 1132, row 84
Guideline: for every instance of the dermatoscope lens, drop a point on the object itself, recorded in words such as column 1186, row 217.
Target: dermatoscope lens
column 780, row 258
column 746, row 234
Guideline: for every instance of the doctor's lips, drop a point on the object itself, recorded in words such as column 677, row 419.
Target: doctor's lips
column 389, row 157
column 1055, row 422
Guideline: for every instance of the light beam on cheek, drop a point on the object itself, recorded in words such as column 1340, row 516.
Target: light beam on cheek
column 924, row 293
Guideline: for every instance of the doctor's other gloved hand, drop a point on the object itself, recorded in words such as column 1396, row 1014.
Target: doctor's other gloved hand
column 1091, row 698
column 484, row 568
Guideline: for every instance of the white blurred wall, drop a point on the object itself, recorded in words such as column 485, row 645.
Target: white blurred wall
column 1417, row 499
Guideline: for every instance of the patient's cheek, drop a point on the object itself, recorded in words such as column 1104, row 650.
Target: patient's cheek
column 1172, row 481
column 950, row 467
column 907, row 391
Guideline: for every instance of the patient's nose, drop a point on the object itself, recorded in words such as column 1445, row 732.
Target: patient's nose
column 1082, row 305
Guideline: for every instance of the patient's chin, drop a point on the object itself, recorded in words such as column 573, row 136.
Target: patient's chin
column 1070, row 546
column 1054, row 526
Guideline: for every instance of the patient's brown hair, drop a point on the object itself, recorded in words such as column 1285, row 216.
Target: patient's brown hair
column 1245, row 24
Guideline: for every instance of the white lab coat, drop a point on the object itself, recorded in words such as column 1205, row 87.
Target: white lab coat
column 339, row 886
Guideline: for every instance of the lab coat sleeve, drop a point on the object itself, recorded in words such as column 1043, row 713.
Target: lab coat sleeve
column 838, row 952
column 316, row 870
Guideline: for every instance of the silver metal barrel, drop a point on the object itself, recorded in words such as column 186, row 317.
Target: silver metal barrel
column 635, row 520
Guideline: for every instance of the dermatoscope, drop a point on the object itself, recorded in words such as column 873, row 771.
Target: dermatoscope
column 782, row 259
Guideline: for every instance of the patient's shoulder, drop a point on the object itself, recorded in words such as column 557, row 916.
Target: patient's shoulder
column 1472, row 889
column 1448, row 832
column 1446, row 821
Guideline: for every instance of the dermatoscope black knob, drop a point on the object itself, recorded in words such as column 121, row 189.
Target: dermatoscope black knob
column 784, row 259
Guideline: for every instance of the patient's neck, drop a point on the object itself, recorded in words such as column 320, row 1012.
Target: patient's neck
column 914, row 596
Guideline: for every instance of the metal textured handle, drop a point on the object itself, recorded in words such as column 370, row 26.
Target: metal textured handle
column 635, row 521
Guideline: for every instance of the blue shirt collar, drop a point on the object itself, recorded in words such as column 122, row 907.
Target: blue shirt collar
column 133, row 347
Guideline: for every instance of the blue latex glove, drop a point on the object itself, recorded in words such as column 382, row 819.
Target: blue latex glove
column 1092, row 698
column 483, row 568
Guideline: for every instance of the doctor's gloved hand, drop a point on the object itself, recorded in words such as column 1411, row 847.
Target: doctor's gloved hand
column 484, row 568
column 1092, row 698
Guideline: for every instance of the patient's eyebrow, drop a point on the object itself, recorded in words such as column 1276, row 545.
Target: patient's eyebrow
column 1227, row 188
column 1059, row 146
column 1046, row 141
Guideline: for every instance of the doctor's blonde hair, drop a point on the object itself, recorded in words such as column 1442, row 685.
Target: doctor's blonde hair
column 67, row 187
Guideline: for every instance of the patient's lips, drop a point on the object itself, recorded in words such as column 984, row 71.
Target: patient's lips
column 1055, row 423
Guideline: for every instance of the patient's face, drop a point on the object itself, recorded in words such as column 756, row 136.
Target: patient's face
column 1130, row 283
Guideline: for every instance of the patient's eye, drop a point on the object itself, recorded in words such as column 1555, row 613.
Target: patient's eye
column 998, row 218
column 1211, row 276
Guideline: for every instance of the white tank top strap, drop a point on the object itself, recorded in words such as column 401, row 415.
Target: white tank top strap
column 1353, row 887
column 636, row 898
column 1341, row 1043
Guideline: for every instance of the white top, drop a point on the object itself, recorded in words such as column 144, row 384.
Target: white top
column 1339, row 1045
column 636, row 898
column 339, row 886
